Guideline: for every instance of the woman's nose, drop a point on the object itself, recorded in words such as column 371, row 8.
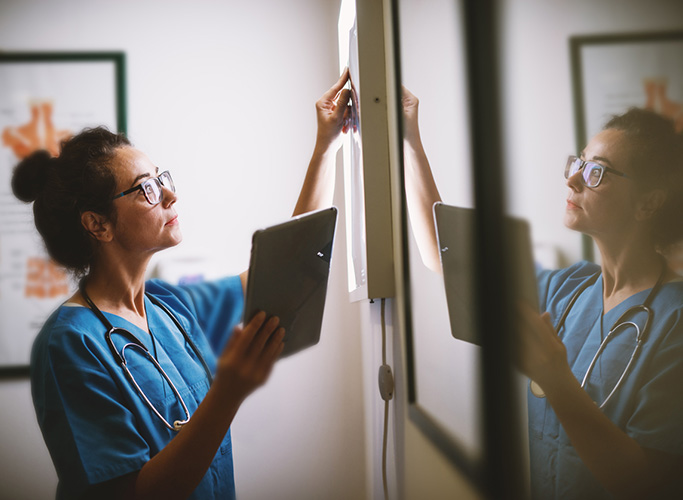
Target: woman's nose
column 575, row 181
column 169, row 196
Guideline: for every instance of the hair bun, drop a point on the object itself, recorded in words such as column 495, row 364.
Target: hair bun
column 30, row 175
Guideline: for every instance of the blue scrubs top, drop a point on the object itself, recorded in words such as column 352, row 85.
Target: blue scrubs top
column 647, row 406
column 95, row 424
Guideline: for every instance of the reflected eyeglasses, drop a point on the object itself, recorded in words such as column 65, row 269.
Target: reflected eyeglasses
column 152, row 188
column 591, row 172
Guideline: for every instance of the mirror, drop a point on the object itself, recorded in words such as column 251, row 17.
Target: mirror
column 446, row 371
column 539, row 127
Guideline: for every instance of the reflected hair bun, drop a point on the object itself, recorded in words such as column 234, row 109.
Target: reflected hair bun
column 31, row 175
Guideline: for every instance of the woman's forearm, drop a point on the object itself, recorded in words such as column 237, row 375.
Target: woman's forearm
column 244, row 365
column 176, row 471
column 421, row 194
column 623, row 467
column 179, row 467
column 332, row 110
column 317, row 190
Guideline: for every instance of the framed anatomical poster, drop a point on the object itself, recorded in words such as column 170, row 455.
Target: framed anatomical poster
column 45, row 99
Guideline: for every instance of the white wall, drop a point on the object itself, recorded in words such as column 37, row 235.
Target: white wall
column 222, row 93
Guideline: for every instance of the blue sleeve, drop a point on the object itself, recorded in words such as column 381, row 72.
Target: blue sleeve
column 217, row 305
column 657, row 419
column 91, row 434
column 543, row 278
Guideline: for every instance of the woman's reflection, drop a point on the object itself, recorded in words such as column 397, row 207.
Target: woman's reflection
column 421, row 190
column 606, row 355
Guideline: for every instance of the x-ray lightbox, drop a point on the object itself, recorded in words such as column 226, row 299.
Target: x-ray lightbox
column 367, row 186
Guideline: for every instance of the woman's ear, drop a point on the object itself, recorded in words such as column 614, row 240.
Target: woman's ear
column 97, row 225
column 649, row 203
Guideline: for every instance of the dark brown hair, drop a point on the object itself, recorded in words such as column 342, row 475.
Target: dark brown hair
column 656, row 160
column 78, row 180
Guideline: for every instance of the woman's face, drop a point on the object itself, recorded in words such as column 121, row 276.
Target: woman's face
column 607, row 210
column 138, row 226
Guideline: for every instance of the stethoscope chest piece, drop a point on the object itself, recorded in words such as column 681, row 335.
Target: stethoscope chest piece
column 536, row 389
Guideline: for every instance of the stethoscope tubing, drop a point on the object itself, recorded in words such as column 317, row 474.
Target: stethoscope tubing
column 184, row 333
column 603, row 344
column 620, row 323
column 134, row 341
column 177, row 424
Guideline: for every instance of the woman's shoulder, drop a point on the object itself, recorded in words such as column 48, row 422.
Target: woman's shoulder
column 554, row 286
column 670, row 298
column 183, row 291
column 69, row 320
column 71, row 333
column 197, row 296
column 579, row 270
column 572, row 275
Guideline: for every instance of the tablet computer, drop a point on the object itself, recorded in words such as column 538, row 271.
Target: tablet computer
column 455, row 234
column 288, row 273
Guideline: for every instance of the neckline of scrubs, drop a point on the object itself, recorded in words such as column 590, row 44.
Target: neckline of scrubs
column 146, row 337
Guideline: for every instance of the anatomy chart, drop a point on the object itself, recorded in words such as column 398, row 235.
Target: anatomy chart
column 42, row 102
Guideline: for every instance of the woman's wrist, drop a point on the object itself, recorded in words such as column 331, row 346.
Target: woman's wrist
column 412, row 140
column 225, row 394
column 324, row 148
column 558, row 382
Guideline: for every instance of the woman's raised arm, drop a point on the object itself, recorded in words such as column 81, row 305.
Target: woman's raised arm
column 421, row 190
column 332, row 110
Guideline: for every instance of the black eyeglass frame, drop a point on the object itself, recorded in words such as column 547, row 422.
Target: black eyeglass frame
column 160, row 184
column 571, row 159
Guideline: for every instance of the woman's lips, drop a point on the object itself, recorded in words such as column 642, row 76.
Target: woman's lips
column 173, row 221
column 572, row 206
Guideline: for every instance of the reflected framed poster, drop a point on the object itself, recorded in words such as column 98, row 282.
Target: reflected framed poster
column 612, row 73
column 45, row 99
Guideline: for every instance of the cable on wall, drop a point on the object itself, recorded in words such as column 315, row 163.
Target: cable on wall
column 386, row 390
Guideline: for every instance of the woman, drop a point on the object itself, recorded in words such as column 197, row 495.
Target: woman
column 588, row 440
column 104, row 209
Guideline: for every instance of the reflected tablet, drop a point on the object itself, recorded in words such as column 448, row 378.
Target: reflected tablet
column 455, row 232
column 288, row 273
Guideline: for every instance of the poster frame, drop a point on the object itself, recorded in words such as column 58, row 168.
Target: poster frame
column 35, row 58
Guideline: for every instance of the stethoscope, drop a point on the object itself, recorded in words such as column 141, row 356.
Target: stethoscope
column 135, row 343
column 619, row 325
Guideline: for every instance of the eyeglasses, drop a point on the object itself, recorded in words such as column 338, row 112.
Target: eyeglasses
column 592, row 172
column 152, row 188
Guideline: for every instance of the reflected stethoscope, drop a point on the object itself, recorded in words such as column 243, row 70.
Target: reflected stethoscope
column 619, row 324
column 135, row 342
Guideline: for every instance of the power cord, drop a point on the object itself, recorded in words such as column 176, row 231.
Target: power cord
column 386, row 390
